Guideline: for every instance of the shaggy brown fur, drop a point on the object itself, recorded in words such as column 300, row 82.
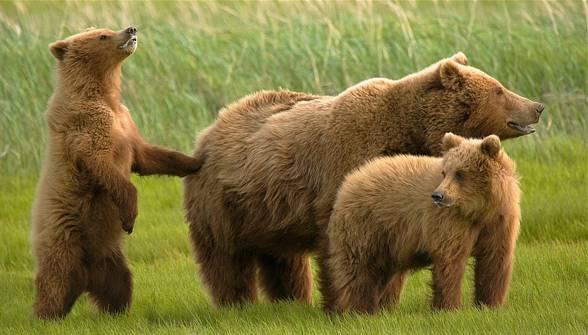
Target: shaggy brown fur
column 85, row 198
column 384, row 224
column 274, row 162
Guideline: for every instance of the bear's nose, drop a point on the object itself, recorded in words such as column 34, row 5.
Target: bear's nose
column 437, row 196
column 540, row 108
column 131, row 30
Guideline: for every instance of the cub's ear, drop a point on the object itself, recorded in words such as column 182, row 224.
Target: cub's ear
column 450, row 140
column 490, row 146
column 451, row 75
column 90, row 28
column 58, row 49
column 460, row 58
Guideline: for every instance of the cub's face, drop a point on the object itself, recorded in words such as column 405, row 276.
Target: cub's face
column 467, row 170
column 98, row 48
column 493, row 109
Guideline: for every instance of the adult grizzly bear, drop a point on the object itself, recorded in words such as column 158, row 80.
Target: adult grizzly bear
column 85, row 198
column 384, row 222
column 274, row 162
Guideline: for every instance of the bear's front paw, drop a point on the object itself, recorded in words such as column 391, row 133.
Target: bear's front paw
column 128, row 210
column 192, row 165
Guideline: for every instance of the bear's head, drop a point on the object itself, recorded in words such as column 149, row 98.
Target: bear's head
column 490, row 108
column 96, row 49
column 471, row 170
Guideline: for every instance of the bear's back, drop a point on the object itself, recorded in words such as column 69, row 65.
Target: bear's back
column 249, row 132
column 394, row 172
column 388, row 185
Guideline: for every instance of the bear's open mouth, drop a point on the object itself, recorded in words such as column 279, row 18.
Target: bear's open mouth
column 523, row 129
column 130, row 45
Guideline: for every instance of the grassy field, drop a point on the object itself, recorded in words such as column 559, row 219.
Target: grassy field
column 193, row 58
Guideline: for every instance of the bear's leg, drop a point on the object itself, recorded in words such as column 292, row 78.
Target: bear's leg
column 61, row 278
column 348, row 282
column 361, row 294
column 447, row 277
column 328, row 297
column 391, row 295
column 494, row 254
column 110, row 284
column 230, row 278
column 287, row 278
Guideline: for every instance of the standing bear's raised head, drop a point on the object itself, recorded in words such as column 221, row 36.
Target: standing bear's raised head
column 475, row 173
column 95, row 50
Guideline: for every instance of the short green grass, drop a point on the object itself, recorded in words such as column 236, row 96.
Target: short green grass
column 548, row 292
column 193, row 58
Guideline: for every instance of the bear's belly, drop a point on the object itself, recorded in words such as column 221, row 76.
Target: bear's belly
column 123, row 155
column 102, row 228
column 419, row 260
column 281, row 225
column 293, row 240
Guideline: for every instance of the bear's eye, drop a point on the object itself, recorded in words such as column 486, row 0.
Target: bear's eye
column 103, row 37
column 459, row 175
column 499, row 91
column 443, row 174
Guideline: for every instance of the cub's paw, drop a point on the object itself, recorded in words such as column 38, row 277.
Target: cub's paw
column 195, row 165
column 191, row 165
column 128, row 210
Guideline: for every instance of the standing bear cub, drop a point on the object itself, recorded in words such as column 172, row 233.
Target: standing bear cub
column 85, row 198
column 274, row 161
column 384, row 223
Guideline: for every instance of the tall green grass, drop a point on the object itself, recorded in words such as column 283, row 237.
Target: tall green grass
column 195, row 57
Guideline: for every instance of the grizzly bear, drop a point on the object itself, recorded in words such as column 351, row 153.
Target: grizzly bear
column 85, row 198
column 274, row 162
column 397, row 214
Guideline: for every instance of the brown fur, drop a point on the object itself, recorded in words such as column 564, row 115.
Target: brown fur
column 385, row 224
column 274, row 162
column 85, row 198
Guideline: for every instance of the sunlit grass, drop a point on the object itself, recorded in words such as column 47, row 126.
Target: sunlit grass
column 548, row 292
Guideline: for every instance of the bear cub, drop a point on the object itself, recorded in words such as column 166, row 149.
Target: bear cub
column 85, row 198
column 398, row 214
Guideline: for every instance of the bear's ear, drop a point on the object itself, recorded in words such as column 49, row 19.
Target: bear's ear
column 491, row 146
column 90, row 28
column 450, row 140
column 460, row 58
column 451, row 75
column 58, row 49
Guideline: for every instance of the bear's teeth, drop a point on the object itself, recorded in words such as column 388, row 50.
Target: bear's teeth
column 525, row 129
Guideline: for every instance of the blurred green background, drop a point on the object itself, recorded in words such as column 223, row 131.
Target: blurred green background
column 195, row 57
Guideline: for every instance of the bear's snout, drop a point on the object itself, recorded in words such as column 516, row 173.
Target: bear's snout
column 437, row 198
column 539, row 108
column 131, row 31
column 128, row 39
